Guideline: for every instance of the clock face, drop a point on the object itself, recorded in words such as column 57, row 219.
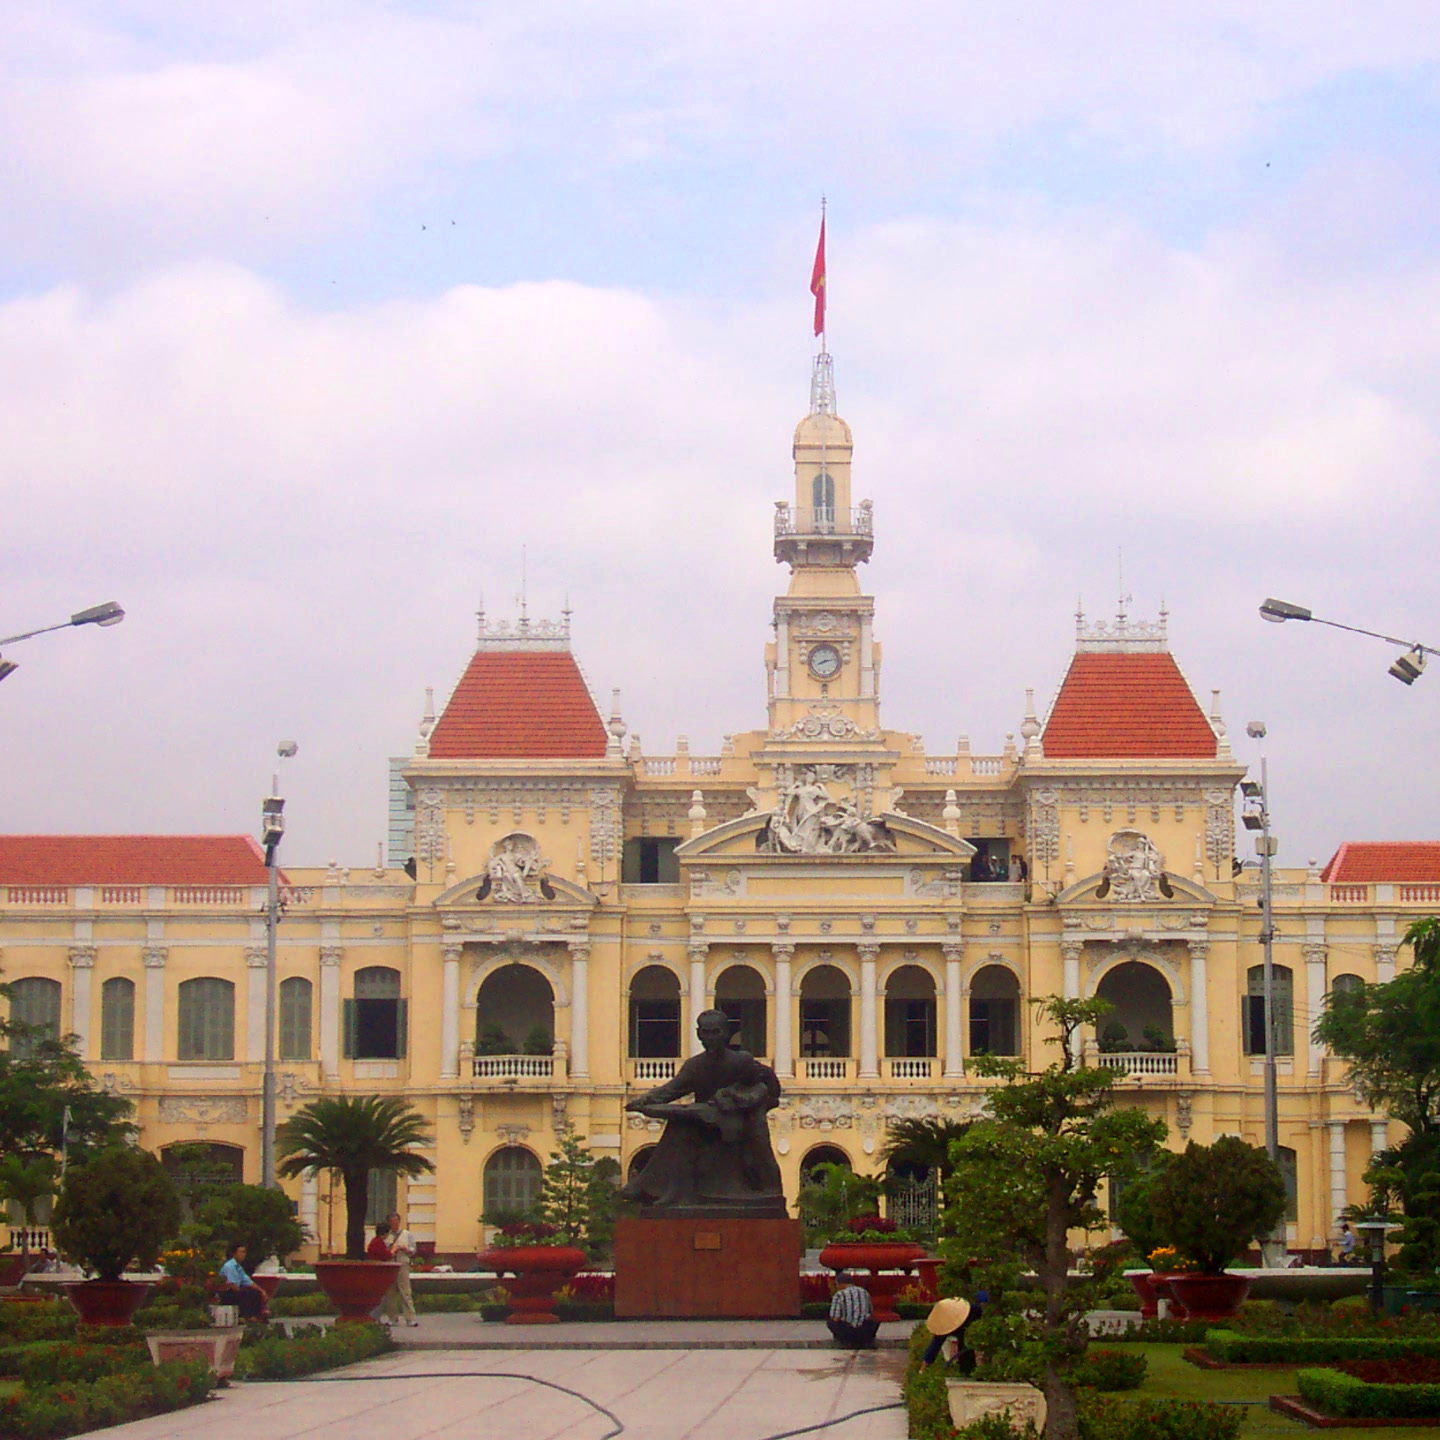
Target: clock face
column 824, row 662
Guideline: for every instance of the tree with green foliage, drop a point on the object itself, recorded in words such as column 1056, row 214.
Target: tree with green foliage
column 831, row 1197
column 1211, row 1201
column 1390, row 1034
column 1026, row 1178
column 579, row 1194
column 26, row 1180
column 261, row 1220
column 923, row 1142
column 353, row 1136
column 116, row 1209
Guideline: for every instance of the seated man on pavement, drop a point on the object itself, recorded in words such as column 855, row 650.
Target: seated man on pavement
column 852, row 1317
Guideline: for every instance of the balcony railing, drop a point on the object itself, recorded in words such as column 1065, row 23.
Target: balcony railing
column 823, row 520
column 514, row 1067
column 653, row 1069
column 1137, row 1062
column 908, row 1067
column 826, row 1067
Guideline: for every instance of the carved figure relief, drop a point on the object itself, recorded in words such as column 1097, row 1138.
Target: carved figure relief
column 809, row 820
column 1134, row 868
column 825, row 721
column 514, row 870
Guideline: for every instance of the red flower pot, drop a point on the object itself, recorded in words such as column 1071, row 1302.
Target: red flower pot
column 1209, row 1297
column 1144, row 1286
column 267, row 1285
column 106, row 1302
column 874, row 1257
column 537, row 1272
column 355, row 1287
column 1160, row 1284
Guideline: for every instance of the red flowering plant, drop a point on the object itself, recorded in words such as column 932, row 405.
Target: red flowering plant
column 517, row 1233
column 873, row 1230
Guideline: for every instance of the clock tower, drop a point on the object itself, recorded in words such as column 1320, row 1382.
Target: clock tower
column 823, row 666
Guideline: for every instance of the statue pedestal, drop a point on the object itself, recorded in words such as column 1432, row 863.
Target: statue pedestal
column 688, row 1267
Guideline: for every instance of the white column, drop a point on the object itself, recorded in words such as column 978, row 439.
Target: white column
column 255, row 962
column 954, row 1011
column 1070, row 951
column 1199, row 1008
column 82, row 972
column 1315, row 999
column 154, row 958
column 697, row 953
column 784, row 1012
column 450, row 1011
column 579, row 1011
column 1384, row 963
column 1379, row 1136
column 869, row 1022
column 330, row 958
column 1337, row 1168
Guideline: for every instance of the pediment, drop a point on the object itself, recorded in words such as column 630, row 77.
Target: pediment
column 476, row 893
column 905, row 840
column 1095, row 890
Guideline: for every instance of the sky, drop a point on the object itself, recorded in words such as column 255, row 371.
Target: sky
column 316, row 317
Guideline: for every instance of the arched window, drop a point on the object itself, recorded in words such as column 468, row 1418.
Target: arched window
column 994, row 1012
column 207, row 1019
column 910, row 1012
column 1142, row 1018
column 295, row 1010
column 825, row 1012
column 1253, row 1015
column 822, row 501
column 202, row 1168
column 515, row 1013
column 822, row 1155
column 34, row 1001
column 639, row 1160
column 512, row 1181
column 655, row 1014
column 375, row 1018
column 1346, row 984
column 117, row 1019
column 740, row 993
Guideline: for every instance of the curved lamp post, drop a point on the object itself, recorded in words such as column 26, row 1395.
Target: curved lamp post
column 1406, row 669
column 109, row 613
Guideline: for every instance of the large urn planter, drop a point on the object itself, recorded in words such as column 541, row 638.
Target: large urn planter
column 1208, row 1297
column 875, row 1258
column 267, row 1285
column 535, row 1273
column 106, row 1302
column 13, row 1269
column 355, row 1287
column 218, row 1347
column 1142, row 1282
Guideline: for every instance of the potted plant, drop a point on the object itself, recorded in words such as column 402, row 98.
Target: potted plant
column 1211, row 1201
column 113, row 1211
column 354, row 1136
column 880, row 1248
column 261, row 1220
column 179, row 1323
column 540, row 1259
column 1135, row 1215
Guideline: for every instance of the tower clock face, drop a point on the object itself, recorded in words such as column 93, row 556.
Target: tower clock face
column 824, row 662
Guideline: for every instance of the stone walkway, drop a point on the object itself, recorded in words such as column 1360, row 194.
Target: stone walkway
column 470, row 1332
column 640, row 1394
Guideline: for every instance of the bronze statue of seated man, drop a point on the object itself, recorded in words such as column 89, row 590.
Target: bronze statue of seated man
column 714, row 1157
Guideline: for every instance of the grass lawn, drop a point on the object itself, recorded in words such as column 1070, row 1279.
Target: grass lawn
column 1171, row 1376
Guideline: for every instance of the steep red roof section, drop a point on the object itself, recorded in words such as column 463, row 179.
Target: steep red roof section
column 1405, row 862
column 131, row 860
column 520, row 704
column 1126, row 707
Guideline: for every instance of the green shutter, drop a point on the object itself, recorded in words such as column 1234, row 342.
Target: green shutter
column 351, row 1028
column 402, row 1028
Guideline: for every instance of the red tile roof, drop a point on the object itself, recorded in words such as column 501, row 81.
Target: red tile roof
column 1361, row 862
column 131, row 860
column 520, row 704
column 1126, row 707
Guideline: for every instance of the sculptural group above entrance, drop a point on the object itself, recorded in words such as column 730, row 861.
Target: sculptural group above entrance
column 810, row 821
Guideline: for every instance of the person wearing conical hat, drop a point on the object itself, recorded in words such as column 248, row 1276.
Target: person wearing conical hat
column 948, row 1320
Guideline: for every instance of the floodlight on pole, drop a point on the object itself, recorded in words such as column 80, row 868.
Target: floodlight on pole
column 1406, row 669
column 110, row 613
column 272, row 830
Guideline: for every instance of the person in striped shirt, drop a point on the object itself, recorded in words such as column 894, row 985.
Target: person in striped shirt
column 852, row 1317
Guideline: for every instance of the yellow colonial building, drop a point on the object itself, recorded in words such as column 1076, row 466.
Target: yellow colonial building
column 561, row 904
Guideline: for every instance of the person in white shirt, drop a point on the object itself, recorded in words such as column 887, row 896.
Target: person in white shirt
column 402, row 1248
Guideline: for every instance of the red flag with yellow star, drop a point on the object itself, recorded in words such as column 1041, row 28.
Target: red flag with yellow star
column 817, row 281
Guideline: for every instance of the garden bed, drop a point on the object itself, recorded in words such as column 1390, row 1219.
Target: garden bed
column 1295, row 1408
column 1349, row 1397
column 1232, row 1348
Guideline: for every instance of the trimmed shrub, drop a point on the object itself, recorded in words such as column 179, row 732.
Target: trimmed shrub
column 1235, row 1349
column 72, row 1407
column 1102, row 1418
column 276, row 1358
column 927, row 1401
column 1353, row 1398
column 296, row 1306
column 60, row 1361
column 1110, row 1370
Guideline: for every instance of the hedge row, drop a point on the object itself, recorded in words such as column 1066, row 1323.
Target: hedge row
column 1352, row 1398
column 72, row 1407
column 1236, row 1349
column 275, row 1358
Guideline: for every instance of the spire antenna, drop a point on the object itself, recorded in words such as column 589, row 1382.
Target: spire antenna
column 822, row 375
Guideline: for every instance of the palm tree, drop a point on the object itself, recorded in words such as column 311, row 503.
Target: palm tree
column 354, row 1137
column 923, row 1143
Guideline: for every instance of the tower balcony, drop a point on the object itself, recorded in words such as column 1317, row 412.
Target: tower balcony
column 822, row 535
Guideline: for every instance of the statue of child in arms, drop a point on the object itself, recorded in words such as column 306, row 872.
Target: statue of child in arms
column 714, row 1157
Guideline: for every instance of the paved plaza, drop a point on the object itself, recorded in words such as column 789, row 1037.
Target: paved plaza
column 560, row 1394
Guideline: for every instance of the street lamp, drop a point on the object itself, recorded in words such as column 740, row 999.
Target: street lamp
column 107, row 614
column 272, row 830
column 1406, row 669
column 1256, row 816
